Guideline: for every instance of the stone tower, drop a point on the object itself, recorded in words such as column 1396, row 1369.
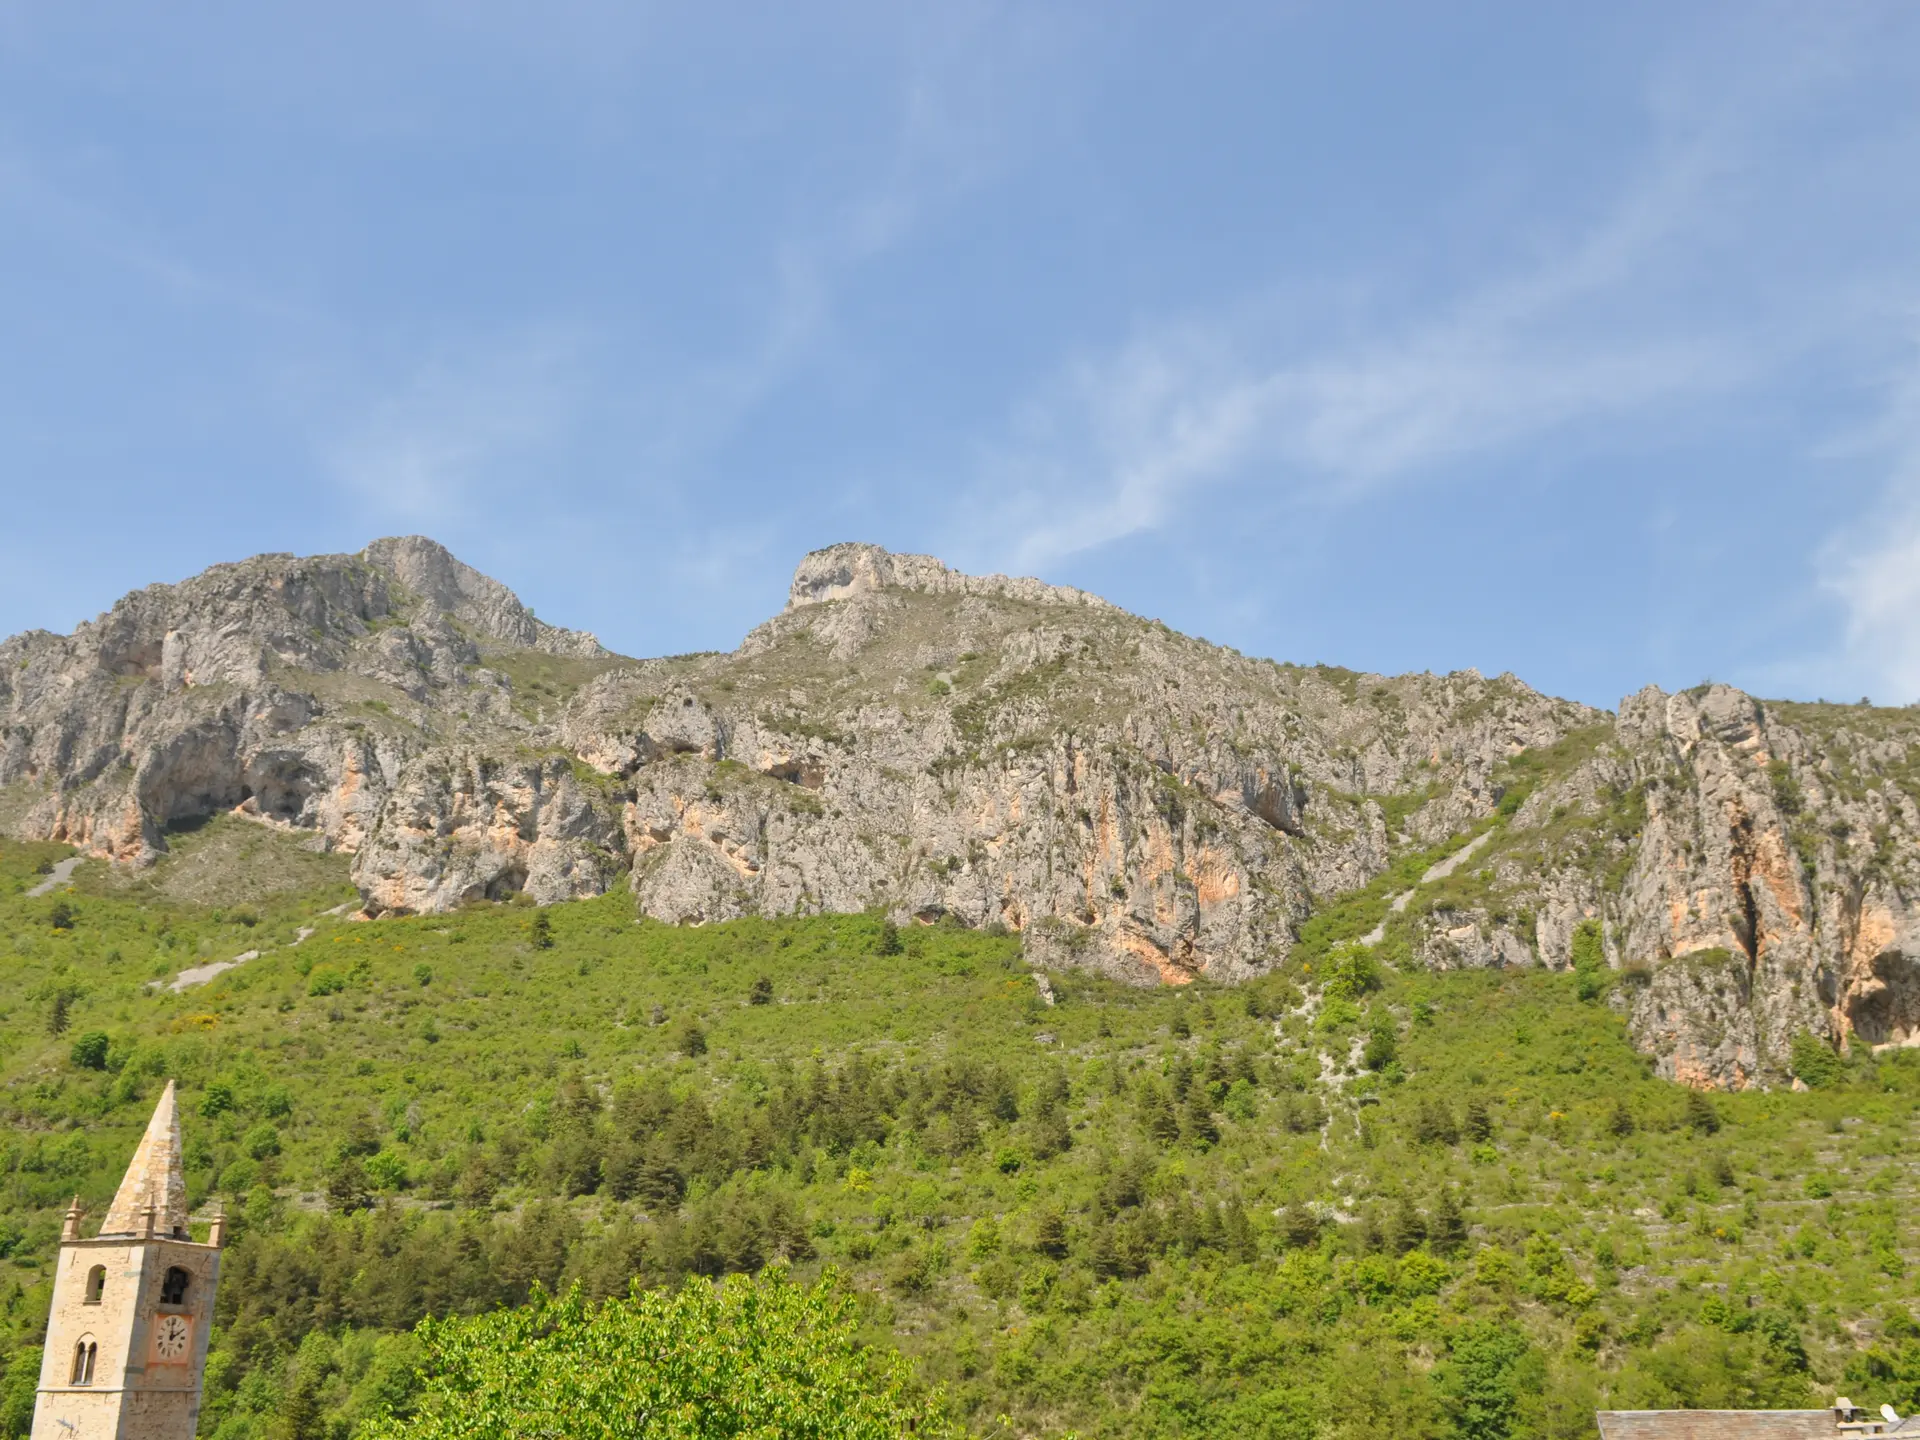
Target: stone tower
column 127, row 1339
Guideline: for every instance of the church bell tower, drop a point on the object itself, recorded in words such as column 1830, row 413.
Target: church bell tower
column 127, row 1339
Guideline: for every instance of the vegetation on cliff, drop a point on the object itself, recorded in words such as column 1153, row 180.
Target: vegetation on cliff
column 1345, row 1197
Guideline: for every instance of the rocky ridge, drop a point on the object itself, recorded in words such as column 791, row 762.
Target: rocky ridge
column 996, row 751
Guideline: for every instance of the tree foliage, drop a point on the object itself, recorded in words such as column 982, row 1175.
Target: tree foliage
column 749, row 1357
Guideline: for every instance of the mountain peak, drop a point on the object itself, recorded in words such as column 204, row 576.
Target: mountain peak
column 444, row 583
column 853, row 568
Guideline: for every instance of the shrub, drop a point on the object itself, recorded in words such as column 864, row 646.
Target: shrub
column 90, row 1051
column 239, row 1177
column 761, row 992
column 1815, row 1063
column 1589, row 955
column 325, row 981
column 1382, row 1045
column 387, row 1171
column 1351, row 972
column 262, row 1142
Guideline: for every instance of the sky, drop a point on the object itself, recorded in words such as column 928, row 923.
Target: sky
column 1580, row 341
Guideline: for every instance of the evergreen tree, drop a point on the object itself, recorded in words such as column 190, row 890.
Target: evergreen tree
column 1050, row 1234
column 1408, row 1230
column 1478, row 1123
column 1702, row 1118
column 1448, row 1229
column 1197, row 1120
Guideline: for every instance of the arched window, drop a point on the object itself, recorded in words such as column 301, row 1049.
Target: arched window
column 83, row 1358
column 96, row 1284
column 173, row 1290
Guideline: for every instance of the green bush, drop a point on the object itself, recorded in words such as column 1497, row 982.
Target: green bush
column 1352, row 971
column 387, row 1171
column 1589, row 955
column 1382, row 1045
column 262, row 1142
column 239, row 1177
column 89, row 1052
column 1815, row 1063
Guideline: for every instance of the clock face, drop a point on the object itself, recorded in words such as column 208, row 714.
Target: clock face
column 170, row 1336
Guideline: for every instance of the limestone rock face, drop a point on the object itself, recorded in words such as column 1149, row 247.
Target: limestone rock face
column 1002, row 752
column 998, row 751
column 293, row 691
column 459, row 824
column 1755, row 869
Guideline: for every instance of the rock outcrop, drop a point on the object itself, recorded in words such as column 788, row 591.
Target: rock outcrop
column 298, row 692
column 997, row 751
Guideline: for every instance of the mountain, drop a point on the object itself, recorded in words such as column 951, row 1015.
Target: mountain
column 1000, row 752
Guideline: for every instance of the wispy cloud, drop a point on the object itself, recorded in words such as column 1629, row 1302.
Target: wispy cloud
column 1116, row 445
column 1598, row 329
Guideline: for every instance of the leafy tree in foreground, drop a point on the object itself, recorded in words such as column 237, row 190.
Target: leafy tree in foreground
column 758, row 1357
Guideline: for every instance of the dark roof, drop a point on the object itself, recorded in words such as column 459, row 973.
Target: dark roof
column 1720, row 1425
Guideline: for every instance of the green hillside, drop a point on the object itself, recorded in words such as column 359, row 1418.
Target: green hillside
column 1341, row 1200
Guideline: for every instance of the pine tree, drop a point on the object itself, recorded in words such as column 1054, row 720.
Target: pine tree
column 1299, row 1226
column 1050, row 1234
column 1479, row 1124
column 1702, row 1118
column 1448, row 1230
column 1409, row 1227
column 1202, row 1130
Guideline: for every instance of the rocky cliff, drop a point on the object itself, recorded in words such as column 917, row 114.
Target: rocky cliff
column 1000, row 752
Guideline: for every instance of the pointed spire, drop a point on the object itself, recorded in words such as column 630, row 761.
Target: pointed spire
column 152, row 1200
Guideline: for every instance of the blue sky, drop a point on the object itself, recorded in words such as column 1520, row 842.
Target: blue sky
column 1580, row 341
